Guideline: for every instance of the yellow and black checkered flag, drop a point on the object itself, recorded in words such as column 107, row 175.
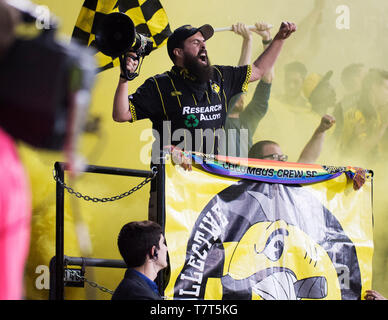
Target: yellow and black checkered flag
column 148, row 16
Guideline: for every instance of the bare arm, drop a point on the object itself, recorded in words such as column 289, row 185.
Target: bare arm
column 246, row 48
column 313, row 148
column 267, row 59
column 263, row 30
column 120, row 103
column 121, row 111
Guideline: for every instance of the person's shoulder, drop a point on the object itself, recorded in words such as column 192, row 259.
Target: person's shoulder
column 160, row 78
column 162, row 75
column 132, row 287
column 157, row 77
column 153, row 81
column 228, row 67
column 220, row 71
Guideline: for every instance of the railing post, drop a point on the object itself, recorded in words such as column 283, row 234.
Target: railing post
column 161, row 214
column 57, row 264
column 59, row 234
column 53, row 284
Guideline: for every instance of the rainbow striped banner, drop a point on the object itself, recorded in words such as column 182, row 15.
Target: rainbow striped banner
column 267, row 241
column 275, row 171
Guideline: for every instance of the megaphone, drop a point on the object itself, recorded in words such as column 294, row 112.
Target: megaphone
column 116, row 35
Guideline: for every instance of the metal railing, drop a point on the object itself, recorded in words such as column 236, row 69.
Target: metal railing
column 60, row 261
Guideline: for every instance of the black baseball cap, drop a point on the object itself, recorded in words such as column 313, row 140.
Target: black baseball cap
column 182, row 33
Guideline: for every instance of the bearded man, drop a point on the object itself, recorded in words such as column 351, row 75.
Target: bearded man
column 192, row 98
column 188, row 104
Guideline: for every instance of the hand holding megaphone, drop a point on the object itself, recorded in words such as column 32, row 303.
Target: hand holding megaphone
column 131, row 62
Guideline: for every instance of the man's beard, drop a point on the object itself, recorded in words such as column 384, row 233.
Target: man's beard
column 201, row 72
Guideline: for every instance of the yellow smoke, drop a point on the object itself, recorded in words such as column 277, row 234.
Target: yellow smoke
column 331, row 48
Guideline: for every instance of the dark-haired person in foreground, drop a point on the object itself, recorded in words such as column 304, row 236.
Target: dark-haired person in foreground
column 144, row 250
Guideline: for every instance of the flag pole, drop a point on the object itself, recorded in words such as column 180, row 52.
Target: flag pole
column 249, row 27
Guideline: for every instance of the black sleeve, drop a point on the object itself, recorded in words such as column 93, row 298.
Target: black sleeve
column 235, row 79
column 145, row 103
column 257, row 107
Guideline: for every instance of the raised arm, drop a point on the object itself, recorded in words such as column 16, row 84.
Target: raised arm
column 267, row 59
column 313, row 148
column 121, row 111
column 258, row 106
column 263, row 29
column 246, row 47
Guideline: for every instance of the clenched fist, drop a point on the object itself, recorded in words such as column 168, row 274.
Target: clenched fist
column 327, row 122
column 286, row 28
column 131, row 61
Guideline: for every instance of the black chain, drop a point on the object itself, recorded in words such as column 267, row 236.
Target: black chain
column 154, row 172
column 91, row 283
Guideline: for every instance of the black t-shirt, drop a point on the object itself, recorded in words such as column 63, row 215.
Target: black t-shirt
column 185, row 113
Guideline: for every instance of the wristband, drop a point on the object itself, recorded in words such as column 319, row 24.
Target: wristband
column 265, row 42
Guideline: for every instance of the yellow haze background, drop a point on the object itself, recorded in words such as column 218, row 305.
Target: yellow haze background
column 120, row 145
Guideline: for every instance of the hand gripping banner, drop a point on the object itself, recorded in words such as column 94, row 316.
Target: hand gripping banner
column 244, row 238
